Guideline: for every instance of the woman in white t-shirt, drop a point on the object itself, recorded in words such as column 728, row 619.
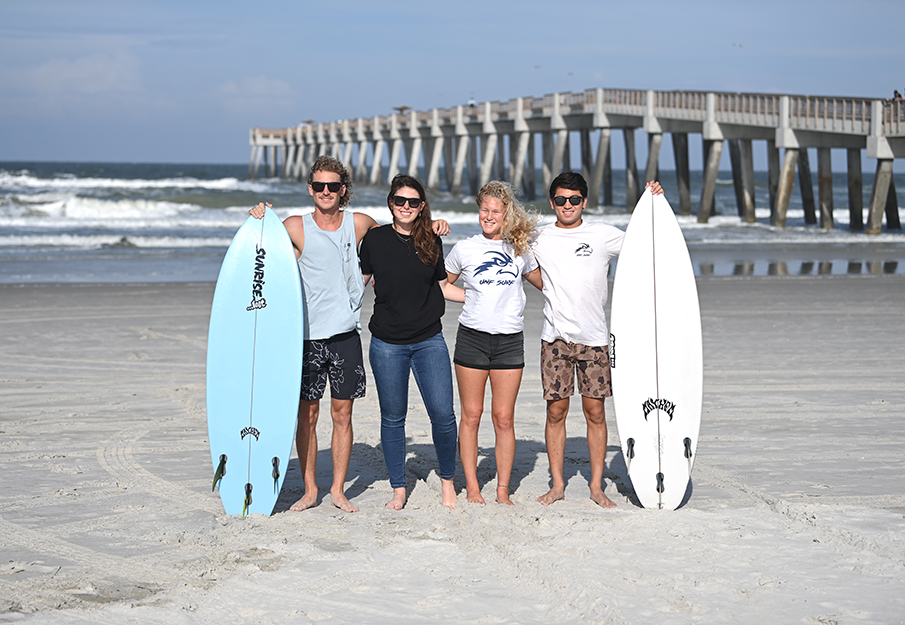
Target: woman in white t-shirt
column 490, row 342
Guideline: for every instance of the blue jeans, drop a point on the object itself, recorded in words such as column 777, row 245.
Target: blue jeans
column 429, row 361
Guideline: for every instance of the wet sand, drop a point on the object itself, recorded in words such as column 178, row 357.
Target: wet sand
column 796, row 514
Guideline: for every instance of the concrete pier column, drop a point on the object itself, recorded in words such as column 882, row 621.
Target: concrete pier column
column 547, row 158
column 519, row 161
column 501, row 172
column 879, row 196
column 713, row 151
column 560, row 152
column 735, row 160
column 395, row 151
column 772, row 174
column 855, row 190
column 473, row 166
column 746, row 152
column 825, row 187
column 807, row 187
column 608, row 173
column 490, row 147
column 530, row 170
column 587, row 160
column 449, row 161
column 784, row 189
column 892, row 207
column 631, row 170
column 377, row 163
column 435, row 148
column 463, row 143
column 603, row 156
column 360, row 173
column 683, row 175
column 652, row 171
column 414, row 156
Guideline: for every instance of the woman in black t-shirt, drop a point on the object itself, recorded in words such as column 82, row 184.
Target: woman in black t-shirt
column 406, row 260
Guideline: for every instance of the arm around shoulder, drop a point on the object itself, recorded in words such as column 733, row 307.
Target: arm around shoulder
column 363, row 223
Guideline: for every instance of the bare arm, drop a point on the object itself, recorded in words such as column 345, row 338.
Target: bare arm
column 363, row 223
column 452, row 293
column 452, row 277
column 294, row 226
column 535, row 278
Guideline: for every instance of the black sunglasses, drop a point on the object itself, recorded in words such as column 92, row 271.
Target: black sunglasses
column 574, row 200
column 333, row 186
column 414, row 202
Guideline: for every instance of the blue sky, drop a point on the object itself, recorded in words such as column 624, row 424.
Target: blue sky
column 161, row 81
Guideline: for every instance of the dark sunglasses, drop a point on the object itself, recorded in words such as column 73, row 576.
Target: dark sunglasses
column 333, row 186
column 574, row 200
column 414, row 202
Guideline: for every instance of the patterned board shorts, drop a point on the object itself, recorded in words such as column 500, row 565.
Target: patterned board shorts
column 338, row 359
column 558, row 361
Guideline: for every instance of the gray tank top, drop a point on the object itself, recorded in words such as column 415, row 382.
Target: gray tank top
column 332, row 287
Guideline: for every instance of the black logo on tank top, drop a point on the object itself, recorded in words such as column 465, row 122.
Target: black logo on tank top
column 584, row 249
column 257, row 283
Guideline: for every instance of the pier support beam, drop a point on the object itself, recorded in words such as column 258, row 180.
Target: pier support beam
column 879, row 195
column 807, row 187
column 772, row 174
column 683, row 176
column 377, row 163
column 531, row 171
column 487, row 161
column 435, row 147
column 631, row 170
column 560, row 153
column 519, row 159
column 600, row 165
column 652, row 171
column 784, row 190
column 825, row 187
column 855, row 190
column 713, row 151
column 473, row 166
column 462, row 146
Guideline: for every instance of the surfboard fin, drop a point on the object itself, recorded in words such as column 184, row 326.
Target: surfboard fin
column 220, row 472
column 688, row 453
column 247, row 503
column 630, row 453
column 276, row 472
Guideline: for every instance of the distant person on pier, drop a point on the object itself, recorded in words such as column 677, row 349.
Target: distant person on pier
column 574, row 261
column 490, row 344
column 896, row 95
column 326, row 244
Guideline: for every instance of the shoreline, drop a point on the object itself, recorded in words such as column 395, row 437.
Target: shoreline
column 107, row 512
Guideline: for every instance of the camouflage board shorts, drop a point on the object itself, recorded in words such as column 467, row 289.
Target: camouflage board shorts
column 558, row 361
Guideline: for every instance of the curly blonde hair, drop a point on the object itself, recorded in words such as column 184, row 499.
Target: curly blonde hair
column 518, row 223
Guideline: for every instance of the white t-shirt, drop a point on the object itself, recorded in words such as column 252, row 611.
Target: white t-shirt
column 494, row 296
column 574, row 263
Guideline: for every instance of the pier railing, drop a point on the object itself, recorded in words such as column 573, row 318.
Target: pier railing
column 472, row 139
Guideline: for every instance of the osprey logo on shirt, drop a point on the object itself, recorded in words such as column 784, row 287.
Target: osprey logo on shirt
column 584, row 249
column 502, row 263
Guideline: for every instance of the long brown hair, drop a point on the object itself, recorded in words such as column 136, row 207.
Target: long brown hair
column 423, row 233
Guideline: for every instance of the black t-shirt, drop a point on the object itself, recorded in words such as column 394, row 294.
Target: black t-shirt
column 408, row 301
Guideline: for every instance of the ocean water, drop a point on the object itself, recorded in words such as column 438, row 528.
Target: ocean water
column 96, row 222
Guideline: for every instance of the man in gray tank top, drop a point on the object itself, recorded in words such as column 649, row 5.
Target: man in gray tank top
column 326, row 245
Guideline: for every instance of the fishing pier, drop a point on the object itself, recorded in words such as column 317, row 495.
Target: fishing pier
column 477, row 142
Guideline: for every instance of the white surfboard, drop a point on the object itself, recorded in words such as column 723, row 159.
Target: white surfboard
column 254, row 366
column 656, row 355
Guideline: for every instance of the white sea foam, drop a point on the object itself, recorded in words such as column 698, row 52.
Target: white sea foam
column 25, row 182
column 111, row 240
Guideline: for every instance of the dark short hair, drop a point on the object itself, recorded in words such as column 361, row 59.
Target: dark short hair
column 569, row 180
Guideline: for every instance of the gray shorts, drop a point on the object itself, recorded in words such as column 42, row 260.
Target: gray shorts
column 338, row 359
column 482, row 350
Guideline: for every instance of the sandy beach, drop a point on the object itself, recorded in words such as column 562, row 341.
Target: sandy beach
column 797, row 513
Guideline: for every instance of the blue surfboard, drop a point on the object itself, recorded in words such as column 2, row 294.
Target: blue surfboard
column 254, row 366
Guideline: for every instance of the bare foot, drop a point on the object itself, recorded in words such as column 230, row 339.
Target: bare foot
column 502, row 495
column 601, row 500
column 554, row 494
column 398, row 500
column 449, row 494
column 474, row 495
column 342, row 502
column 308, row 501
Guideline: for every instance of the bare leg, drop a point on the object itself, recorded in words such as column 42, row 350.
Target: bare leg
column 398, row 500
column 472, row 383
column 341, row 447
column 504, row 384
column 306, row 446
column 555, row 437
column 595, row 415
